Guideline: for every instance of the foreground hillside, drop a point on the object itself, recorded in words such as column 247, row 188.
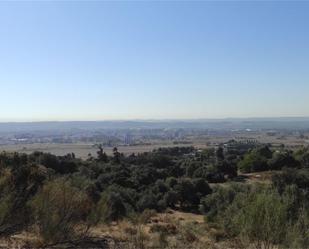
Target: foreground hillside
column 239, row 197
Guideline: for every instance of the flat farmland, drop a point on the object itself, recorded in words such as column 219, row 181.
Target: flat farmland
column 81, row 150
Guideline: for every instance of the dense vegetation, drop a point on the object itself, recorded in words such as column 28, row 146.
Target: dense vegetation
column 61, row 198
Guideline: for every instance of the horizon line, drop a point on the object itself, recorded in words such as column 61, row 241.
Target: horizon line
column 156, row 119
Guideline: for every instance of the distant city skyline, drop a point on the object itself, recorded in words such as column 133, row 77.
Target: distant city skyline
column 64, row 61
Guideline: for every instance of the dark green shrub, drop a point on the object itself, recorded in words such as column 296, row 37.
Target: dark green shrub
column 213, row 205
column 147, row 201
column 253, row 162
column 281, row 160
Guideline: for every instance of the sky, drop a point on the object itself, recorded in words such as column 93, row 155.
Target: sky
column 79, row 60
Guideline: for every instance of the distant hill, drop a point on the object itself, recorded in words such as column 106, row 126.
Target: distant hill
column 215, row 124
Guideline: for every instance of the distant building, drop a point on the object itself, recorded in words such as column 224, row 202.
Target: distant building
column 127, row 139
column 240, row 146
column 271, row 133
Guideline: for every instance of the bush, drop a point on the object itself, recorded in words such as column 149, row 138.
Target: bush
column 260, row 218
column 60, row 210
column 298, row 233
column 299, row 178
column 110, row 207
column 7, row 214
column 17, row 186
column 215, row 204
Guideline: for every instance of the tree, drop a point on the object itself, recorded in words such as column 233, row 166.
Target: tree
column 187, row 196
column 191, row 167
column 253, row 162
column 147, row 201
column 227, row 168
column 116, row 155
column 220, row 154
column 282, row 159
column 102, row 157
column 171, row 198
column 302, row 156
column 208, row 155
column 264, row 151
column 201, row 187
column 171, row 182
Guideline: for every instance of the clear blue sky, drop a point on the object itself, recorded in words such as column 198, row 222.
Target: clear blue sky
column 145, row 60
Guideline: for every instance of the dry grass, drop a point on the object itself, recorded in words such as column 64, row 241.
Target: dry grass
column 172, row 229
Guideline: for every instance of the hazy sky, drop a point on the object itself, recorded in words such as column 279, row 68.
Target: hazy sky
column 136, row 60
